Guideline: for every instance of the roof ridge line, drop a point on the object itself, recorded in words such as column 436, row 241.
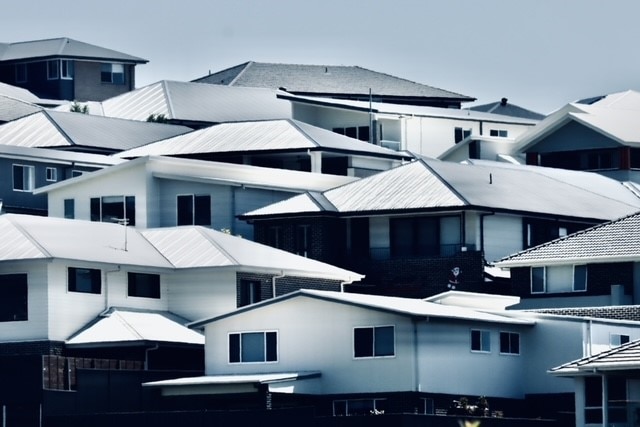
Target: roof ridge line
column 201, row 229
column 444, row 182
column 247, row 65
column 165, row 89
column 28, row 235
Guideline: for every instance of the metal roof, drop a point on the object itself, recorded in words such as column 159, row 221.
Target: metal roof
column 12, row 109
column 58, row 129
column 613, row 241
column 62, row 47
column 258, row 136
column 18, row 93
column 58, row 156
column 122, row 325
column 325, row 79
column 624, row 357
column 198, row 102
column 219, row 380
column 505, row 108
column 411, row 307
column 431, row 184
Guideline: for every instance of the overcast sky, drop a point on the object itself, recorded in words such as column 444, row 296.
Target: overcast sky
column 541, row 54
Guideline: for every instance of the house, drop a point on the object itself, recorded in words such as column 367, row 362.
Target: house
column 24, row 169
column 192, row 104
column 598, row 266
column 338, row 82
column 157, row 191
column 607, row 389
column 421, row 130
column 490, row 148
column 412, row 229
column 284, row 144
column 388, row 355
column 597, row 134
column 505, row 108
column 67, row 69
column 79, row 296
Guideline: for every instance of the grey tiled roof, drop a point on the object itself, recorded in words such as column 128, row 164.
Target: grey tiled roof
column 325, row 79
column 62, row 47
column 626, row 356
column 618, row 312
column 613, row 241
column 506, row 109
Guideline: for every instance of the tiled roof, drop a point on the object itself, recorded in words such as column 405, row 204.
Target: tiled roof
column 431, row 184
column 325, row 80
column 624, row 357
column 610, row 242
column 62, row 47
column 618, row 312
column 506, row 109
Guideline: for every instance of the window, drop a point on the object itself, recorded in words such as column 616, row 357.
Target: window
column 428, row 407
column 66, row 69
column 480, row 341
column 253, row 347
column 249, row 292
column 13, row 297
column 593, row 400
column 194, row 209
column 459, row 134
column 617, row 340
column 86, row 280
column 53, row 66
column 143, row 285
column 303, row 239
column 274, row 237
column 357, row 132
column 23, row 178
column 52, row 174
column 418, row 236
column 579, row 278
column 509, row 343
column 342, row 408
column 537, row 280
column 502, row 133
column 69, row 208
column 112, row 73
column 558, row 279
column 114, row 209
column 21, row 73
column 378, row 341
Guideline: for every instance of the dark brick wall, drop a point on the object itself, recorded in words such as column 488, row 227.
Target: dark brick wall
column 32, row 348
column 284, row 285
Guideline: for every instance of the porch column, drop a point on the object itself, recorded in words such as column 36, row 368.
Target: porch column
column 605, row 401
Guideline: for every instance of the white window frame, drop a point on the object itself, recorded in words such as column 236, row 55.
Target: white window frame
column 28, row 180
column 510, row 353
column 544, row 280
column 484, row 333
column 264, row 333
column 66, row 69
column 374, row 356
column 51, row 174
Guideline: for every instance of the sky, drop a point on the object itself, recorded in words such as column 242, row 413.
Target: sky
column 540, row 54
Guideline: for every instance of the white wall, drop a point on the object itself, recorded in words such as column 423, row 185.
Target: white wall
column 600, row 335
column 502, row 236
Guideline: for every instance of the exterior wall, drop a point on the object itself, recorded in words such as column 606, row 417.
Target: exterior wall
column 502, row 236
column 88, row 86
column 599, row 335
column 570, row 137
column 283, row 284
column 202, row 293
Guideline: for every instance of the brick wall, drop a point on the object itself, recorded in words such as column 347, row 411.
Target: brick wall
column 32, row 348
column 284, row 285
column 88, row 86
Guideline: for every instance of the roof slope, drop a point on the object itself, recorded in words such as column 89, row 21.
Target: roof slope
column 62, row 47
column 58, row 129
column 610, row 242
column 504, row 108
column 257, row 136
column 326, row 80
column 431, row 184
column 197, row 102
column 624, row 357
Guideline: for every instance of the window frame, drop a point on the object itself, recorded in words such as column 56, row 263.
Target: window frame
column 510, row 351
column 66, row 69
column 69, row 207
column 16, row 299
column 375, row 406
column 95, row 274
column 111, row 73
column 373, row 355
column 96, row 209
column 265, row 349
column 137, row 289
column 303, row 239
column 544, row 280
column 249, row 292
column 51, row 174
column 499, row 133
column 484, row 334
column 29, row 179
column 195, row 206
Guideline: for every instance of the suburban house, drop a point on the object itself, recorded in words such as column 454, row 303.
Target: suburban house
column 158, row 191
column 386, row 355
column 24, row 169
column 421, row 130
column 192, row 104
column 338, row 82
column 79, row 296
column 428, row 226
column 473, row 147
column 599, row 266
column 67, row 69
column 283, row 144
column 607, row 389
column 597, row 134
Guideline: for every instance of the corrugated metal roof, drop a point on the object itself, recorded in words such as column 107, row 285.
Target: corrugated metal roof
column 120, row 325
column 257, row 378
column 507, row 109
column 63, row 47
column 198, row 102
column 404, row 306
column 58, row 156
column 62, row 129
column 257, row 136
column 610, row 242
column 624, row 357
column 325, row 79
column 18, row 93
column 428, row 184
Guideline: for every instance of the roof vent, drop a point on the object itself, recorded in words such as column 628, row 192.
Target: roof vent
column 503, row 101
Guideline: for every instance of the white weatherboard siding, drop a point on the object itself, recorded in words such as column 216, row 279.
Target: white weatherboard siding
column 316, row 341
column 502, row 236
column 35, row 327
column 118, row 290
column 201, row 293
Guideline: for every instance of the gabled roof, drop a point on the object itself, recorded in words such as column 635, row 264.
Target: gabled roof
column 45, row 155
column 28, row 237
column 614, row 241
column 623, row 358
column 326, row 80
column 409, row 307
column 197, row 103
column 131, row 326
column 436, row 185
column 504, row 108
column 214, row 173
column 62, row 47
column 63, row 130
column 259, row 136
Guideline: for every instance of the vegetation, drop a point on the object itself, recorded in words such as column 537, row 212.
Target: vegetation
column 157, row 118
column 78, row 108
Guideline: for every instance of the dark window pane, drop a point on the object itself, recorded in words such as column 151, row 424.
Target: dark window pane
column 593, row 391
column 249, row 292
column 351, row 132
column 185, row 210
column 112, row 209
column 95, row 209
column 384, row 341
column 252, row 347
column 363, row 342
column 144, row 285
column 13, row 297
column 202, row 210
column 85, row 280
column 475, row 341
column 363, row 133
column 234, row 348
column 537, row 279
column 69, row 208
column 272, row 346
column 580, row 278
column 130, row 208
